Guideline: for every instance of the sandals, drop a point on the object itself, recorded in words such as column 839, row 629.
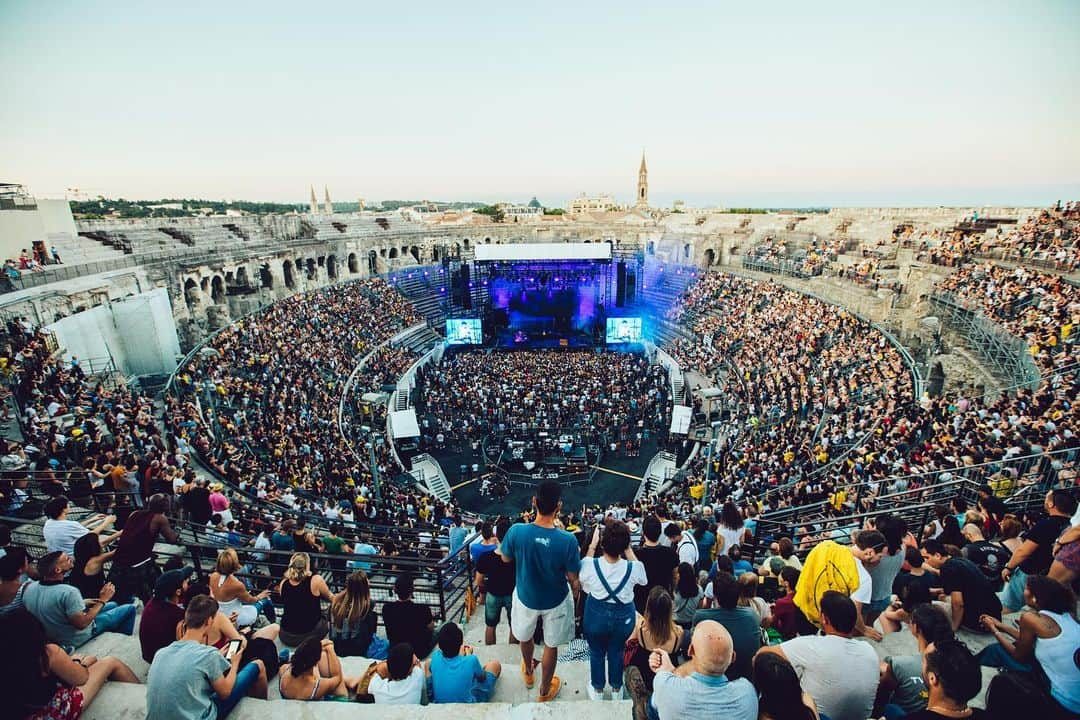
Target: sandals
column 527, row 676
column 556, row 685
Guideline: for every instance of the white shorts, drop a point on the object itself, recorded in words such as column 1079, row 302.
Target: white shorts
column 558, row 621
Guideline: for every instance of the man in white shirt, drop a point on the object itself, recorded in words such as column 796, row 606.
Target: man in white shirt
column 61, row 533
column 840, row 673
column 688, row 548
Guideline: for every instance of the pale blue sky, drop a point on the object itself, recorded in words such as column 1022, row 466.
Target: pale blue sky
column 778, row 103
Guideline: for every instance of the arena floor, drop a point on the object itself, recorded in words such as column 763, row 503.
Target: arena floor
column 617, row 479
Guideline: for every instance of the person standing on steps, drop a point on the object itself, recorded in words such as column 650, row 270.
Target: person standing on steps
column 547, row 560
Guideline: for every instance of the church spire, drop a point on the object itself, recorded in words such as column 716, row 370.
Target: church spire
column 314, row 202
column 328, row 208
column 642, row 198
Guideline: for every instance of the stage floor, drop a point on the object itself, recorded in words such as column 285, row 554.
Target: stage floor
column 617, row 480
column 549, row 339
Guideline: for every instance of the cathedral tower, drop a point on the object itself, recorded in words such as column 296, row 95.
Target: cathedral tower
column 314, row 202
column 642, row 184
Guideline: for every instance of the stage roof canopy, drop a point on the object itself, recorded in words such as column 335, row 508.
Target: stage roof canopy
column 544, row 251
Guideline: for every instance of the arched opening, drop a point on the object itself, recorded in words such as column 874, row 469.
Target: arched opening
column 487, row 240
column 242, row 276
column 457, row 249
column 266, row 278
column 230, row 278
column 217, row 291
column 415, row 252
column 393, row 253
column 321, row 261
column 650, row 248
column 710, row 257
column 686, row 251
column 331, row 267
column 353, row 266
column 287, row 272
column 466, row 241
column 435, row 253
column 191, row 291
column 382, row 252
column 204, row 284
column 312, row 270
column 373, row 263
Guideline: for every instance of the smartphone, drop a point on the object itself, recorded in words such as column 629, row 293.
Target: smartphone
column 233, row 648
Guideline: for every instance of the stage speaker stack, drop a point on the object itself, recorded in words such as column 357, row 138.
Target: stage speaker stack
column 631, row 287
column 620, row 284
column 466, row 291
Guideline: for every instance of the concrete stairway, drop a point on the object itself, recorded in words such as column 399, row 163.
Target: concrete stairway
column 78, row 250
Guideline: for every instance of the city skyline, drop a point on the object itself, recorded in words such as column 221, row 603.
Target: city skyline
column 838, row 104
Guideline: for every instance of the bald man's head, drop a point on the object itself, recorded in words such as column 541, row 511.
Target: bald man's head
column 711, row 648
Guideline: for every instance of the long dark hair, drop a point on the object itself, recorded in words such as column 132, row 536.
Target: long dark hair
column 687, row 586
column 730, row 517
column 779, row 691
column 24, row 639
column 658, row 615
column 86, row 547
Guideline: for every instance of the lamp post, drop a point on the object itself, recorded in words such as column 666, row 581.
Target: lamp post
column 708, row 463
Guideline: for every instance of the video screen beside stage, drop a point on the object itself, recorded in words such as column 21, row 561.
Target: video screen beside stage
column 464, row 331
column 623, row 330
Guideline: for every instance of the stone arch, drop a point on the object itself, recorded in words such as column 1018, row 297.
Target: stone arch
column 382, row 252
column 710, row 258
column 415, row 252
column 687, row 248
column 487, row 240
column 230, row 278
column 321, row 261
column 393, row 253
column 266, row 278
column 204, row 285
column 242, row 278
column 312, row 269
column 353, row 266
column 191, row 291
column 331, row 267
column 466, row 242
column 457, row 249
column 373, row 262
column 217, row 290
column 287, row 272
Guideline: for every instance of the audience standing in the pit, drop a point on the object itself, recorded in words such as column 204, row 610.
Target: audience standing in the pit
column 495, row 580
column 608, row 583
column 840, row 673
column 547, row 560
column 191, row 680
column 699, row 688
column 1035, row 555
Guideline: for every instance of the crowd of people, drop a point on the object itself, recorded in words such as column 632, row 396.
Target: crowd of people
column 1050, row 237
column 614, row 394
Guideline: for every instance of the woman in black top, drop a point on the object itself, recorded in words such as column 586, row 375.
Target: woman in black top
column 301, row 594
column 88, row 575
column 41, row 676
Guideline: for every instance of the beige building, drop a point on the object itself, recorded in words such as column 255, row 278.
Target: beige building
column 596, row 203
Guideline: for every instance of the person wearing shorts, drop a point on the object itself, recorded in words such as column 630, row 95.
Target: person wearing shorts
column 546, row 563
column 495, row 579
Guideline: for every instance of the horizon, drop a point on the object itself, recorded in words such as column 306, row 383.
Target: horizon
column 836, row 105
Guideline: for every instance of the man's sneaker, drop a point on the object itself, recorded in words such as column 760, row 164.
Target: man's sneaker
column 635, row 685
column 618, row 694
column 594, row 694
column 552, row 692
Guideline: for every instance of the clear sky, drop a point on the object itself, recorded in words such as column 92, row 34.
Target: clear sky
column 770, row 103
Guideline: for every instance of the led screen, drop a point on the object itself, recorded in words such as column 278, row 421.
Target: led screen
column 464, row 331
column 624, row 330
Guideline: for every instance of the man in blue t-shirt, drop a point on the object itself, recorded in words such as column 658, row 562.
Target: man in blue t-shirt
column 454, row 673
column 546, row 558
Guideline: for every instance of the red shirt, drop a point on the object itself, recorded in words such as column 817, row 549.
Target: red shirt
column 158, row 626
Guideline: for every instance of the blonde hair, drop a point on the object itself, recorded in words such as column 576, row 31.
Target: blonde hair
column 227, row 562
column 352, row 603
column 299, row 567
